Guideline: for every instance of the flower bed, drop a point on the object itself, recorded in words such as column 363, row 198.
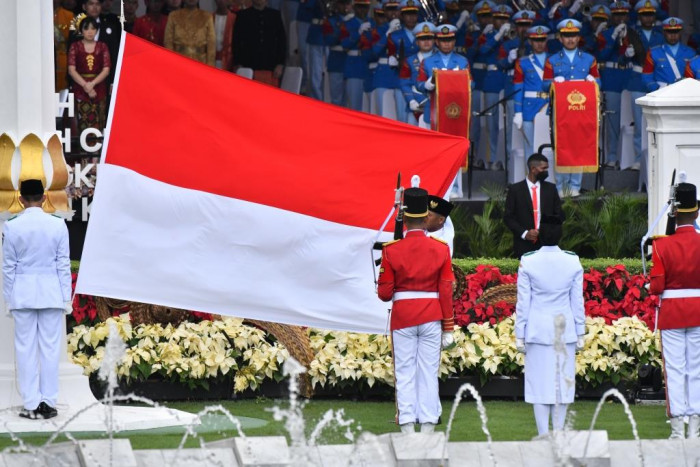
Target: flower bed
column 619, row 316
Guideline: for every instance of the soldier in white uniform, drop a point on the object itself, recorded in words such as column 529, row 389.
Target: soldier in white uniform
column 439, row 224
column 37, row 290
column 549, row 325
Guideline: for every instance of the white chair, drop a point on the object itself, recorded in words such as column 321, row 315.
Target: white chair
column 245, row 72
column 291, row 79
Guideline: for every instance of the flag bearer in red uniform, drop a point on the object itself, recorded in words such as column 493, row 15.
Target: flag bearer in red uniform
column 416, row 273
column 676, row 277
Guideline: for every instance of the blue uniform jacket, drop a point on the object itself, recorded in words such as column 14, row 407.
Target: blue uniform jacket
column 385, row 76
column 657, row 68
column 558, row 64
column 331, row 36
column 315, row 35
column 614, row 65
column 527, row 79
column 355, row 63
column 409, row 82
column 486, row 63
column 635, row 83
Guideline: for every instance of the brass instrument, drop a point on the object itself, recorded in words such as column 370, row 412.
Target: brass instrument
column 432, row 13
column 532, row 5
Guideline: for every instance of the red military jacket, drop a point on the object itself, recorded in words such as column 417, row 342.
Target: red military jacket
column 677, row 268
column 417, row 263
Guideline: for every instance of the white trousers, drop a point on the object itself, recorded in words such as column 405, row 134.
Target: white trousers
column 681, row 352
column 37, row 349
column 416, row 365
column 545, row 412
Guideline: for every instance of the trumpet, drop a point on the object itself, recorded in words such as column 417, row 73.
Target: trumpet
column 512, row 33
column 432, row 13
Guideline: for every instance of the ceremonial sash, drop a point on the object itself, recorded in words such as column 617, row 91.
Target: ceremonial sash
column 575, row 107
column 674, row 65
column 450, row 107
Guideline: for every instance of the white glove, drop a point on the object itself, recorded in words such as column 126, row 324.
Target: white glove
column 618, row 31
column 364, row 27
column 394, row 25
column 393, row 61
column 554, row 9
column 590, row 78
column 414, row 105
column 559, row 79
column 580, row 342
column 601, row 27
column 520, row 345
column 447, row 339
column 429, row 85
column 518, row 120
column 463, row 16
column 512, row 55
column 629, row 51
column 575, row 7
column 487, row 29
column 68, row 307
column 647, row 286
column 502, row 31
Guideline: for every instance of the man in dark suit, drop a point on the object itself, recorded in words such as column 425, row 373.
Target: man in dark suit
column 527, row 202
column 260, row 42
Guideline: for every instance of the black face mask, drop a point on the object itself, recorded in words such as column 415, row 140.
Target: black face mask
column 542, row 176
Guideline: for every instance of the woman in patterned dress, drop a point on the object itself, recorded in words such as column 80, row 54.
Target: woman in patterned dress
column 88, row 66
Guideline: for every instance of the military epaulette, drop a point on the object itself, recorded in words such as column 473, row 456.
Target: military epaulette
column 656, row 237
column 529, row 253
column 13, row 217
column 569, row 252
column 438, row 239
column 391, row 242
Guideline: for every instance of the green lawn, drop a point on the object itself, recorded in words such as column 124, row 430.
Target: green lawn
column 508, row 421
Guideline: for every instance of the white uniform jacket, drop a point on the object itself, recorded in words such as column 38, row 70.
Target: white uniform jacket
column 550, row 282
column 36, row 261
column 446, row 234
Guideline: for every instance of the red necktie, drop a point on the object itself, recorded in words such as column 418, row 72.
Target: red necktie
column 534, row 204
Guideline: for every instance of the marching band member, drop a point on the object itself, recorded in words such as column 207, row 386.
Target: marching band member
column 675, row 276
column 666, row 63
column 315, row 47
column 530, row 99
column 569, row 64
column 353, row 34
column 416, row 274
column 415, row 100
column 445, row 59
column 484, row 14
column 386, row 77
column 402, row 43
column 649, row 36
column 615, row 52
column 486, row 60
column 510, row 51
column 336, row 55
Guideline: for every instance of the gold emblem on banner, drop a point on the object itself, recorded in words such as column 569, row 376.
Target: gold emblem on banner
column 577, row 101
column 453, row 110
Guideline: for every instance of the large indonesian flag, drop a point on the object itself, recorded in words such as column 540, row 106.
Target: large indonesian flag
column 224, row 195
column 575, row 114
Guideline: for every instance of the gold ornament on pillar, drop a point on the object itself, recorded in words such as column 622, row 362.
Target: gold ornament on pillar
column 31, row 151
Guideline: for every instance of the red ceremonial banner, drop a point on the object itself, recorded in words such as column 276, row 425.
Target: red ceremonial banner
column 450, row 106
column 575, row 120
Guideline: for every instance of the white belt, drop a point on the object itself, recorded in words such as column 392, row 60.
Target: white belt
column 483, row 66
column 337, row 48
column 535, row 95
column 615, row 65
column 511, row 72
column 316, row 21
column 383, row 61
column 353, row 53
column 679, row 293
column 637, row 69
column 373, row 65
column 409, row 295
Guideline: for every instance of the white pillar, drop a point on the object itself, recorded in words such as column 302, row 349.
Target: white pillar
column 28, row 107
column 672, row 114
